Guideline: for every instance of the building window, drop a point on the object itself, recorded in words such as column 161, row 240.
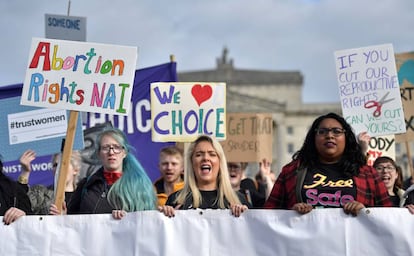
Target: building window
column 290, row 130
column 291, row 148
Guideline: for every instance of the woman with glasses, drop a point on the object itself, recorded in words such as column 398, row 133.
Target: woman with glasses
column 392, row 178
column 391, row 175
column 328, row 171
column 121, row 185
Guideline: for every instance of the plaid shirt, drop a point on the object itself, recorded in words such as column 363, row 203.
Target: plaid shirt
column 370, row 190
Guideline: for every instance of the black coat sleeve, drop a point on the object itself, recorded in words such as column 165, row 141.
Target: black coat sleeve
column 14, row 195
column 243, row 199
column 73, row 206
column 171, row 199
column 410, row 198
column 22, row 200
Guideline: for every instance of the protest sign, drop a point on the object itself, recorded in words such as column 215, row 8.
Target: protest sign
column 65, row 27
column 180, row 112
column 381, row 146
column 33, row 128
column 249, row 137
column 79, row 76
column 405, row 67
column 369, row 90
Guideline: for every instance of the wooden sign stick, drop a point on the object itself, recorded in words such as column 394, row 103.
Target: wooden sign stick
column 65, row 159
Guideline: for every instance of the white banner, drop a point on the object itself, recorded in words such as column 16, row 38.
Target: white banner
column 377, row 231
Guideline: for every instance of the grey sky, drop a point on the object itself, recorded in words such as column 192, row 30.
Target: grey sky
column 263, row 34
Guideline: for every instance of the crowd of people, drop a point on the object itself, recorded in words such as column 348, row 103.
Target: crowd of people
column 329, row 170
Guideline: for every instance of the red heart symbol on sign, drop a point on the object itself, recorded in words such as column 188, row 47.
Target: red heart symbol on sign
column 201, row 93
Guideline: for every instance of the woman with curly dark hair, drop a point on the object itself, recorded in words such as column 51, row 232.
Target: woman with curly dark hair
column 328, row 171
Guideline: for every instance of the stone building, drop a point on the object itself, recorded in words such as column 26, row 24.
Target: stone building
column 276, row 92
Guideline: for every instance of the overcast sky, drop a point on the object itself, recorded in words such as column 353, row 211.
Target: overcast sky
column 291, row 35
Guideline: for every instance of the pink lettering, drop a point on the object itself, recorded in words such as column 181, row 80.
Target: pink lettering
column 327, row 199
column 312, row 195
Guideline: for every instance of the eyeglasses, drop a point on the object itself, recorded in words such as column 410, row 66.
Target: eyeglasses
column 115, row 148
column 389, row 168
column 336, row 131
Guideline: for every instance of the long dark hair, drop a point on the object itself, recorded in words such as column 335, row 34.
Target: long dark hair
column 351, row 159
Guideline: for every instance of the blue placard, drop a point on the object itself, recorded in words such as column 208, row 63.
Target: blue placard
column 43, row 147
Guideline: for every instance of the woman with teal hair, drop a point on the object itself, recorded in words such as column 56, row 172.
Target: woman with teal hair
column 121, row 185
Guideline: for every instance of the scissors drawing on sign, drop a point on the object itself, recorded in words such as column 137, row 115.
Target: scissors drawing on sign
column 378, row 104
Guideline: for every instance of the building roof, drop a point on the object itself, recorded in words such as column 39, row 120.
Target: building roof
column 243, row 77
column 226, row 71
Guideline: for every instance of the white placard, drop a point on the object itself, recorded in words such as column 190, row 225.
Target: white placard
column 80, row 76
column 36, row 125
column 369, row 90
column 183, row 111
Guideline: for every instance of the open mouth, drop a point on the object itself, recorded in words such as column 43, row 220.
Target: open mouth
column 386, row 178
column 168, row 175
column 233, row 175
column 205, row 169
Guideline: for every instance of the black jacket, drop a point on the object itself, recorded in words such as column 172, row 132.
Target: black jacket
column 255, row 197
column 13, row 195
column 91, row 196
column 209, row 200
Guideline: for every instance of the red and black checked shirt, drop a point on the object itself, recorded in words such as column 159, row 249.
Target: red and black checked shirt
column 370, row 190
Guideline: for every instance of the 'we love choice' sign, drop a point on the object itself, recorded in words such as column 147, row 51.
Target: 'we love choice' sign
column 180, row 112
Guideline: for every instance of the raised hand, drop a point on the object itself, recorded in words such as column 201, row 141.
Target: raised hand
column 26, row 159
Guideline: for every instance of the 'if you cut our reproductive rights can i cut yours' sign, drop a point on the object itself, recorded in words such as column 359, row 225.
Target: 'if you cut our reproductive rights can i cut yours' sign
column 369, row 90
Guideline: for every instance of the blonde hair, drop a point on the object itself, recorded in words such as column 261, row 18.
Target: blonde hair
column 75, row 161
column 224, row 188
